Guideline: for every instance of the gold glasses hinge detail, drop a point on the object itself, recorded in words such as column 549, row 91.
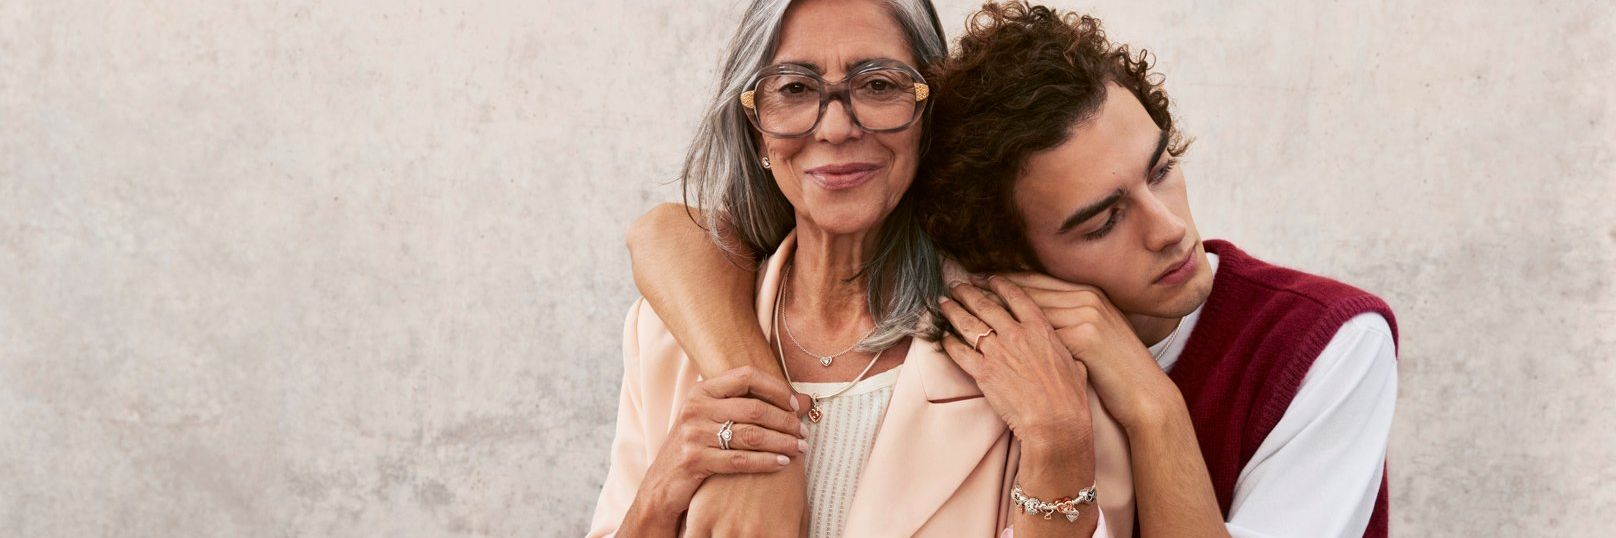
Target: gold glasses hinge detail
column 746, row 99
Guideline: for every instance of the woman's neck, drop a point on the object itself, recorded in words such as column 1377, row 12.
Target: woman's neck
column 827, row 291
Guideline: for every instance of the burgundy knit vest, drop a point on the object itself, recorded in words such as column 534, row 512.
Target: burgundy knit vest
column 1258, row 334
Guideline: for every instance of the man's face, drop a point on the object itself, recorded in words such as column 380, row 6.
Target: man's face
column 1108, row 208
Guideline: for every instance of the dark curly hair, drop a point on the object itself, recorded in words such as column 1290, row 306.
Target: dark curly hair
column 1021, row 79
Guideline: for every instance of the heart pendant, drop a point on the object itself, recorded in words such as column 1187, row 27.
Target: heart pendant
column 825, row 361
column 814, row 414
column 1072, row 517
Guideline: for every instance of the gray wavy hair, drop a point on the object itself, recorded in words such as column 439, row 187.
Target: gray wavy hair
column 723, row 173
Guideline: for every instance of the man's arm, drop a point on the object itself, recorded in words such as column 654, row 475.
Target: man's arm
column 703, row 294
column 1172, row 487
column 1318, row 473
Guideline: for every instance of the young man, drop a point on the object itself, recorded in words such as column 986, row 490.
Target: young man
column 1257, row 399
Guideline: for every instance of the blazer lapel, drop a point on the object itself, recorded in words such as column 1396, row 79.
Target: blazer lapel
column 769, row 282
column 936, row 430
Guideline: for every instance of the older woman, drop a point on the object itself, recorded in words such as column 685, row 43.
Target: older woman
column 807, row 153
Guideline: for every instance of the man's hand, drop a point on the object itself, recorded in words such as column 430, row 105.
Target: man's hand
column 773, row 504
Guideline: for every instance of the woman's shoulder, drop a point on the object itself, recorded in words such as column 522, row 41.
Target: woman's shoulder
column 644, row 325
column 647, row 343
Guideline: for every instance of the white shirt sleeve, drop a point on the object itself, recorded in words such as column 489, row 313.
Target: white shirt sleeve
column 1318, row 472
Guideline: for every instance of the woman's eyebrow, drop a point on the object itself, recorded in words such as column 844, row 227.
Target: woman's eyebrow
column 804, row 64
column 850, row 66
column 865, row 62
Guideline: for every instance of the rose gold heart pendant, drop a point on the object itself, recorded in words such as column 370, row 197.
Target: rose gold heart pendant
column 813, row 410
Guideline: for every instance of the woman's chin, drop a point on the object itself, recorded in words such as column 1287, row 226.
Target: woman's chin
column 845, row 220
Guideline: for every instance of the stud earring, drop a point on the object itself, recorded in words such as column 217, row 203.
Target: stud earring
column 765, row 162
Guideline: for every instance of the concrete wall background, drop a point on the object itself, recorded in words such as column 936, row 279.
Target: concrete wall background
column 355, row 268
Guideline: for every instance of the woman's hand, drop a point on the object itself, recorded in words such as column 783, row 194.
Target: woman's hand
column 1039, row 390
column 767, row 435
column 1021, row 367
column 1127, row 378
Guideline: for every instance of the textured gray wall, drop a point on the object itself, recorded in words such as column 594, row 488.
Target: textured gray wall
column 355, row 268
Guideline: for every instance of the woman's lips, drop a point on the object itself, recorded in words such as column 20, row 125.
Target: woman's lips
column 1179, row 273
column 835, row 177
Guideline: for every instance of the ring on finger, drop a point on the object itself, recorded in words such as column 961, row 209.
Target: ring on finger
column 725, row 433
column 976, row 343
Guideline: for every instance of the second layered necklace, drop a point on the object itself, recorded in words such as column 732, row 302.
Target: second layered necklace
column 814, row 412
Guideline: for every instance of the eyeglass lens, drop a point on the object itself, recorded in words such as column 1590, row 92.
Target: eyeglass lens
column 789, row 104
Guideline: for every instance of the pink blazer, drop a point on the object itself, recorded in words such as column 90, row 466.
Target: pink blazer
column 942, row 463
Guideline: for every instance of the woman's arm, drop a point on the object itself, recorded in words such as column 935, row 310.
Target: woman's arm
column 1172, row 488
column 1037, row 388
column 686, row 278
column 1056, row 464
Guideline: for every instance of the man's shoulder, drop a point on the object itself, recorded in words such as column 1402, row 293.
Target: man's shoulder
column 1304, row 303
column 1282, row 283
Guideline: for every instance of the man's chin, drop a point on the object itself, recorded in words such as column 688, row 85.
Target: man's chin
column 1188, row 297
column 1192, row 296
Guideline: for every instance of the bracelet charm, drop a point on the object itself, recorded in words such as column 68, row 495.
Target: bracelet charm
column 1066, row 506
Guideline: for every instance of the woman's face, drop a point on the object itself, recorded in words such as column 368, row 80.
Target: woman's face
column 840, row 178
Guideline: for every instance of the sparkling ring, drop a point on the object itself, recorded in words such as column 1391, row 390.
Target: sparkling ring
column 977, row 342
column 725, row 434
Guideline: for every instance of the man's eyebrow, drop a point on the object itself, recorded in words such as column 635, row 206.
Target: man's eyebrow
column 1089, row 211
column 1155, row 157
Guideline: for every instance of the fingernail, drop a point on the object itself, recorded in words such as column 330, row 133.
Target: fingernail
column 955, row 284
column 943, row 299
column 802, row 446
column 783, row 460
column 794, row 405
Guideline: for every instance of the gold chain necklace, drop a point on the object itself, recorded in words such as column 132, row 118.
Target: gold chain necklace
column 824, row 360
column 814, row 413
column 1158, row 355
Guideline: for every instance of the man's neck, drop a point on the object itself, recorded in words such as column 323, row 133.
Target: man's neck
column 1151, row 329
